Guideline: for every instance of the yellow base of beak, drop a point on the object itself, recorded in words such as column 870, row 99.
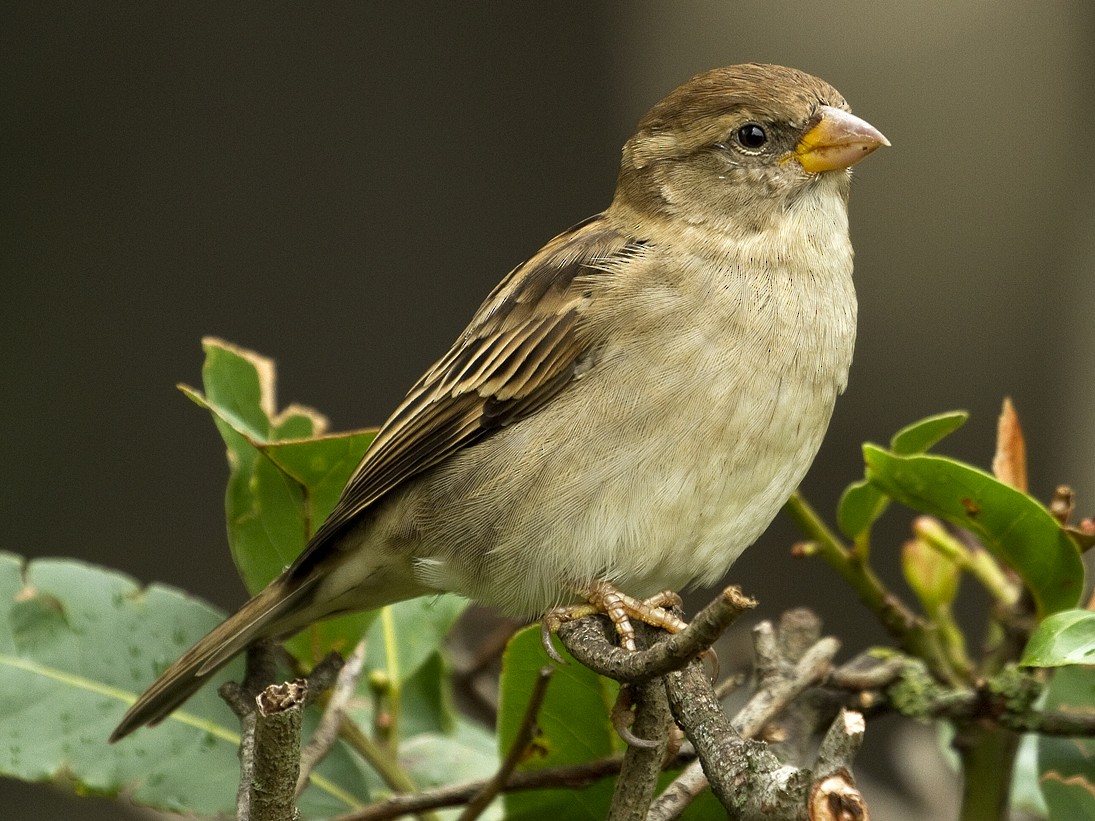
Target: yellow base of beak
column 839, row 140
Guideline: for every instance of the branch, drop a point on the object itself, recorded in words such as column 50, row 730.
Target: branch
column 525, row 733
column 788, row 661
column 1051, row 723
column 277, row 752
column 270, row 732
column 777, row 687
column 643, row 763
column 903, row 624
column 453, row 795
column 586, row 639
column 833, row 794
column 746, row 776
column 591, row 642
column 903, row 685
column 259, row 670
column 326, row 734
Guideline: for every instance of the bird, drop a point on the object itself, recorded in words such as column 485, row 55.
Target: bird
column 629, row 408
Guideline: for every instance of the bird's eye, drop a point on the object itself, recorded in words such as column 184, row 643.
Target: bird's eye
column 751, row 136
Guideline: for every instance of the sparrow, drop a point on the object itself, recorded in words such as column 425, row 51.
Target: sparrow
column 629, row 409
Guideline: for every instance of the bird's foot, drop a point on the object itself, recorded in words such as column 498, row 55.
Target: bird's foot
column 603, row 598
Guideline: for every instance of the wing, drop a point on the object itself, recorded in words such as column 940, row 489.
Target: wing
column 523, row 346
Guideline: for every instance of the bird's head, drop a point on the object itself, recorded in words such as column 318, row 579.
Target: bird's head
column 746, row 141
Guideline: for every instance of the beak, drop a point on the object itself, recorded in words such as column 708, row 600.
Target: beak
column 840, row 140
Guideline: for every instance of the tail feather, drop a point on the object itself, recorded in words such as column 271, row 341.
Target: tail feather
column 268, row 614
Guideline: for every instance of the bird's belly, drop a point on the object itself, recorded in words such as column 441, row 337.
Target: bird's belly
column 737, row 452
column 665, row 486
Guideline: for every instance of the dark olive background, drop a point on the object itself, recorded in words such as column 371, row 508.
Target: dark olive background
column 339, row 185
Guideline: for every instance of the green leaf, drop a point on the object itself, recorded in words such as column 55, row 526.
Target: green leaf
column 932, row 576
column 78, row 644
column 425, row 700
column 465, row 754
column 1026, row 800
column 406, row 644
column 408, row 633
column 286, row 475
column 1064, row 638
column 920, row 437
column 1067, row 765
column 321, row 466
column 860, row 506
column 1015, row 528
column 1083, row 536
column 573, row 727
column 281, row 485
column 862, row 503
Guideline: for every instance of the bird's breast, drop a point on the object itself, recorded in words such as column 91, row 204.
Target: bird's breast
column 739, row 371
column 708, row 399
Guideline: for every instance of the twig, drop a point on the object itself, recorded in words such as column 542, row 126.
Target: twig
column 833, row 795
column 642, row 764
column 323, row 676
column 903, row 685
column 573, row 777
column 586, row 641
column 277, row 752
column 751, row 719
column 767, row 703
column 481, row 800
column 745, row 776
column 840, row 744
column 976, row 561
column 904, row 625
column 377, row 757
column 729, row 685
column 326, row 733
column 867, row 672
column 590, row 641
column 781, row 651
column 1051, row 723
column 259, row 670
column 247, row 764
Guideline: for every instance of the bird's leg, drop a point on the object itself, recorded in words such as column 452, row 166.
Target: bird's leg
column 603, row 598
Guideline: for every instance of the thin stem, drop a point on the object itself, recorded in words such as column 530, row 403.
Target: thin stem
column 334, row 714
column 572, row 777
column 988, row 756
column 377, row 757
column 904, row 625
column 978, row 563
column 953, row 640
column 387, row 622
column 525, row 734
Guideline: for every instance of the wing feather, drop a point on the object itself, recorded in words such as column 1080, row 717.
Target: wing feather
column 523, row 346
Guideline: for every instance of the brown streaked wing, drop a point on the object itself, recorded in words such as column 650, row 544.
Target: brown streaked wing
column 520, row 349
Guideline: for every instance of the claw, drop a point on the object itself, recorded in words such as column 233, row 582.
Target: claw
column 620, row 608
column 633, row 740
column 711, row 657
column 548, row 625
column 622, row 719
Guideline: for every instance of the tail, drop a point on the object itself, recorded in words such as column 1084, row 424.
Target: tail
column 270, row 613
